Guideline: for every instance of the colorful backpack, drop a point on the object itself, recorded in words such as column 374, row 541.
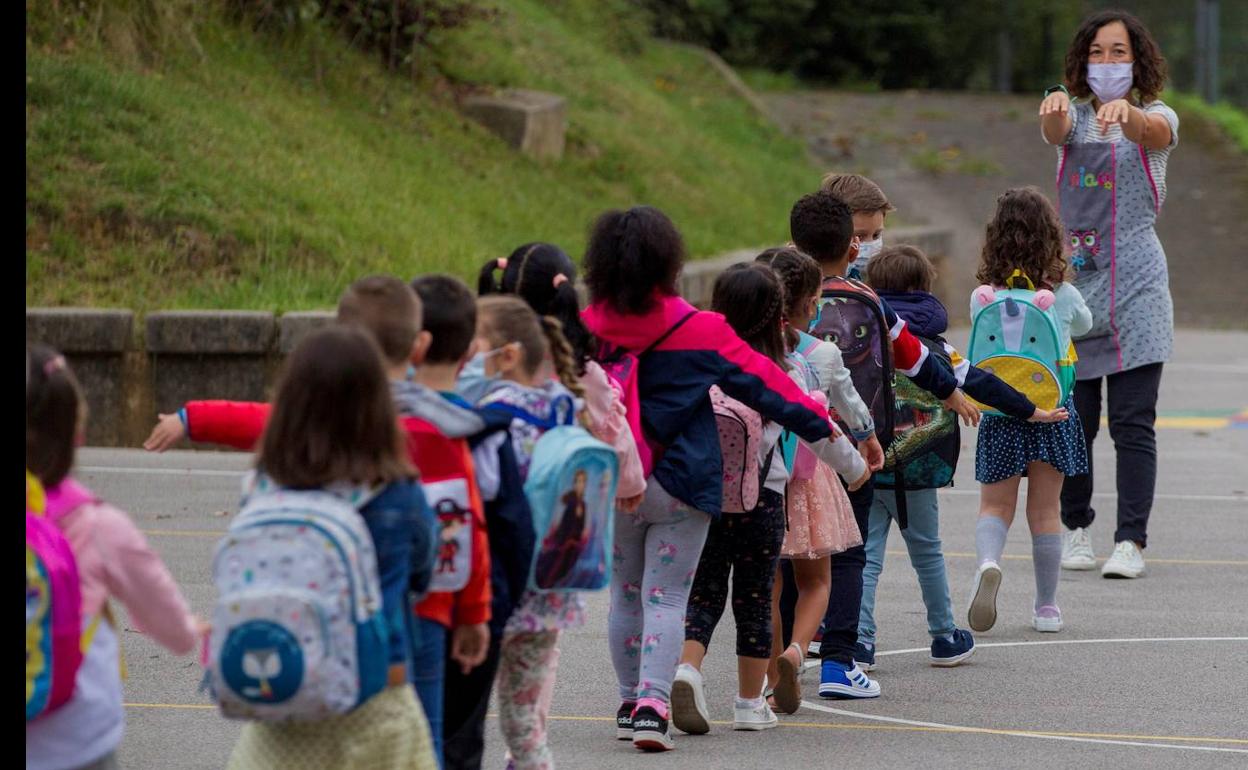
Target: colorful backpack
column 53, row 610
column 1015, row 334
column 926, row 436
column 446, row 473
column 740, row 436
column 297, row 630
column 800, row 460
column 621, row 366
column 571, row 493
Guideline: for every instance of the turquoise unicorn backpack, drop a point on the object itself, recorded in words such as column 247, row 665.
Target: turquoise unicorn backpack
column 1015, row 334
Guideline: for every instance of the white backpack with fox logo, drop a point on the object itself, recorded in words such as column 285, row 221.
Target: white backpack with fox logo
column 297, row 630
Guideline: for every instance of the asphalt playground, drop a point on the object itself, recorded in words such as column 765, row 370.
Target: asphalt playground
column 1147, row 673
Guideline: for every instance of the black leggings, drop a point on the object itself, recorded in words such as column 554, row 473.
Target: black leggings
column 748, row 544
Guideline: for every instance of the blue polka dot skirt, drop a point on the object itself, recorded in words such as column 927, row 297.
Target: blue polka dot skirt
column 1006, row 445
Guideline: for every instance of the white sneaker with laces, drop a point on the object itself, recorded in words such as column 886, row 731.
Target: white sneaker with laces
column 1125, row 562
column 689, row 712
column 1077, row 550
column 759, row 717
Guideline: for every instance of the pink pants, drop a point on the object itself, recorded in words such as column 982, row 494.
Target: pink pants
column 526, row 684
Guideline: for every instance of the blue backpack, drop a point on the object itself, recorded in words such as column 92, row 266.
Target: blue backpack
column 297, row 630
column 571, row 494
column 1015, row 334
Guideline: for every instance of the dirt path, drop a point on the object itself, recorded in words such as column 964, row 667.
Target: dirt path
column 945, row 157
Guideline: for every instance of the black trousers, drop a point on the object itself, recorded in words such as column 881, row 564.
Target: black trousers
column 467, row 698
column 840, row 622
column 1132, row 414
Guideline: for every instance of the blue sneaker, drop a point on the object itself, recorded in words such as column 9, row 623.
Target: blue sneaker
column 864, row 656
column 840, row 681
column 947, row 653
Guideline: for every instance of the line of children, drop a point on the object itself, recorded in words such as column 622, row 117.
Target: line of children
column 476, row 387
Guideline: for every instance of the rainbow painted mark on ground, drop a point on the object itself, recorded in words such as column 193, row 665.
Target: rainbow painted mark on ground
column 1199, row 419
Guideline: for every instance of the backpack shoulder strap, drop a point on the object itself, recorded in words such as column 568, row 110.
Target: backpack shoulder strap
column 663, row 337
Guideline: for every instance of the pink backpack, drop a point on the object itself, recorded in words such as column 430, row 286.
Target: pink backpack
column 621, row 367
column 740, row 435
column 53, row 611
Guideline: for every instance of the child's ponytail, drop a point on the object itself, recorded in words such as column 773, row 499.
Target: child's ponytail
column 485, row 279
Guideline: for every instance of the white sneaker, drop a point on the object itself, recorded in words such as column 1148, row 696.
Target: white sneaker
column 1077, row 550
column 759, row 718
column 982, row 614
column 1125, row 562
column 689, row 712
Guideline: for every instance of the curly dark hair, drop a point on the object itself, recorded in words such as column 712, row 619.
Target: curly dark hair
column 1149, row 72
column 631, row 255
column 751, row 298
column 1024, row 234
column 822, row 225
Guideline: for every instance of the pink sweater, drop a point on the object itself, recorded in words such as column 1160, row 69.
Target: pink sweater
column 114, row 560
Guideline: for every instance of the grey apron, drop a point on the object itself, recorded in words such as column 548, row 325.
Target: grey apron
column 1108, row 203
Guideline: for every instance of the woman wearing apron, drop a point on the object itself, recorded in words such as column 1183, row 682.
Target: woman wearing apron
column 1114, row 137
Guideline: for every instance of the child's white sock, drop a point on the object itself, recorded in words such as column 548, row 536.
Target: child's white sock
column 990, row 535
column 748, row 703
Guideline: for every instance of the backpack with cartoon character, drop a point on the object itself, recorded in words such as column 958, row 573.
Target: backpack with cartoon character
column 1016, row 335
column 446, row 474
column 926, row 438
column 297, row 629
column 570, row 489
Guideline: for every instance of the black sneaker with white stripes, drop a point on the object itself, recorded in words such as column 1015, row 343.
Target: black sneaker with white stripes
column 624, row 722
column 651, row 732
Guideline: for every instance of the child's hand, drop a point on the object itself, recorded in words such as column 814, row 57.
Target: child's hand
column 863, row 479
column 169, row 430
column 469, row 645
column 872, row 453
column 959, row 404
column 629, row 504
column 202, row 627
column 1049, row 415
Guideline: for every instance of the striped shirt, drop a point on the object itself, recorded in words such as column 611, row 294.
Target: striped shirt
column 1085, row 129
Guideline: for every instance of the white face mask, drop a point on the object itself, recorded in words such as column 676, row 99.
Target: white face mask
column 1110, row 81
column 866, row 250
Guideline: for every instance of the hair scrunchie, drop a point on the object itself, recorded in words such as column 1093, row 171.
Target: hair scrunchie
column 559, row 280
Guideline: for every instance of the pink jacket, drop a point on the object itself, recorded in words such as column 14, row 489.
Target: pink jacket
column 610, row 425
column 114, row 560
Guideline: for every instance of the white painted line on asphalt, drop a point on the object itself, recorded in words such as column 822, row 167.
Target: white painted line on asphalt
column 159, row 471
column 1013, row 733
column 1053, row 736
column 953, row 492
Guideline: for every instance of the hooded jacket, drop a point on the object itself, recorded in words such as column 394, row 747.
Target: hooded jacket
column 673, row 384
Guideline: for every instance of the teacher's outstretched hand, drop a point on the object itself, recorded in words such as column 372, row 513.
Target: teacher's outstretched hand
column 1114, row 136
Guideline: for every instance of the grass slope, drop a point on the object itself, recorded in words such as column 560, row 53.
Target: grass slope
column 253, row 172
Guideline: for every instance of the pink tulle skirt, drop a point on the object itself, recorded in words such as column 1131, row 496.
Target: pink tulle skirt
column 821, row 520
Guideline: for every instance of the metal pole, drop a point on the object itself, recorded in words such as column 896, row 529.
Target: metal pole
column 1199, row 58
column 1212, row 39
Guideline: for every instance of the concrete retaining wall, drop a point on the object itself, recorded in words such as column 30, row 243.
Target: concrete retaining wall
column 182, row 355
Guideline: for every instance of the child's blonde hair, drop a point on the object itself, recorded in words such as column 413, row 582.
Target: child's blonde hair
column 507, row 319
column 858, row 192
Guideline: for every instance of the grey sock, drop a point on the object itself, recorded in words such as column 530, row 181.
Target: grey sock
column 1046, row 556
column 990, row 535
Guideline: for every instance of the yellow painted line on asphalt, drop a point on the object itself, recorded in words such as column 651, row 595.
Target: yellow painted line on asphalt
column 1151, row 560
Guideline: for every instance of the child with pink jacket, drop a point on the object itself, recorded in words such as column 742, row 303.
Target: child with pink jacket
column 114, row 560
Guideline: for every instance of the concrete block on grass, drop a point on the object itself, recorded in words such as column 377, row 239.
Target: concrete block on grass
column 533, row 122
column 293, row 327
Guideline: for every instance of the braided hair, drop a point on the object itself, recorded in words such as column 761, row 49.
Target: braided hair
column 800, row 275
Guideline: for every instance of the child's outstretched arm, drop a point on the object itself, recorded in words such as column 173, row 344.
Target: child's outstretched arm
column 987, row 388
column 234, row 423
column 843, row 457
column 141, row 581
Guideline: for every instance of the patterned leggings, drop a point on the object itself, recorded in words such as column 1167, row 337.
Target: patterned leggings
column 526, row 683
column 748, row 544
column 656, row 554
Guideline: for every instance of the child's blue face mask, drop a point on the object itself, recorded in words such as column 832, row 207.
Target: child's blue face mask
column 473, row 383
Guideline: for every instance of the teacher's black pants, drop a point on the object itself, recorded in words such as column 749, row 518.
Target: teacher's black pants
column 1132, row 397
